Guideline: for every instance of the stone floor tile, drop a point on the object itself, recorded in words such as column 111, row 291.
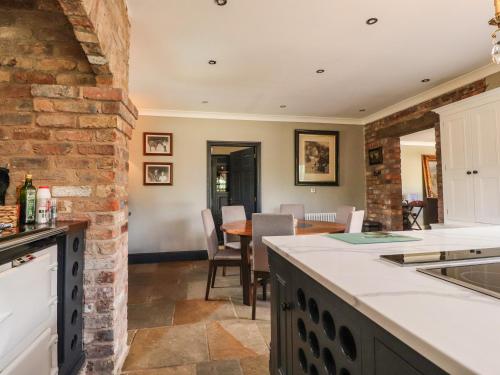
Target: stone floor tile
column 247, row 333
column 262, row 310
column 198, row 310
column 168, row 346
column 175, row 370
column 265, row 331
column 233, row 339
column 130, row 336
column 149, row 315
column 219, row 368
column 255, row 365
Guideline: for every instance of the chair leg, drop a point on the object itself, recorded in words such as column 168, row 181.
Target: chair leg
column 241, row 275
column 264, row 289
column 210, row 270
column 224, row 271
column 214, row 273
column 254, row 295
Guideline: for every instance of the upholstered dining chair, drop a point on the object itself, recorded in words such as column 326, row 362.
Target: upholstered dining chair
column 266, row 225
column 297, row 210
column 355, row 222
column 216, row 258
column 230, row 214
column 343, row 213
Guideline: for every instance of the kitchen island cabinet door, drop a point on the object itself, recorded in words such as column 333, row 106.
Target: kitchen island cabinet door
column 281, row 330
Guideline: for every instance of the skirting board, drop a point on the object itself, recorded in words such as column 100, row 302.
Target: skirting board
column 167, row 256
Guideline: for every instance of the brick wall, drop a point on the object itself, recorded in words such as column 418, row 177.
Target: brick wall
column 62, row 121
column 383, row 182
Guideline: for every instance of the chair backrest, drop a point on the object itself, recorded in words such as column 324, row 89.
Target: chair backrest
column 355, row 222
column 210, row 233
column 268, row 225
column 230, row 214
column 342, row 214
column 297, row 210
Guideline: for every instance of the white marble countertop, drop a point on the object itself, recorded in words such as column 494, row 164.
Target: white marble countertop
column 456, row 328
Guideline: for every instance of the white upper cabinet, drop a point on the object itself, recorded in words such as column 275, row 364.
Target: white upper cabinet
column 470, row 144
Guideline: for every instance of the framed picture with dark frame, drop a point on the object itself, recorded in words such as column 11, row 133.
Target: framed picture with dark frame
column 158, row 144
column 158, row 173
column 376, row 156
column 316, row 157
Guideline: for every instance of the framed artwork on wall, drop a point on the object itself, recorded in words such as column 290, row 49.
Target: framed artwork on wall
column 158, row 173
column 316, row 157
column 429, row 168
column 376, row 156
column 158, row 144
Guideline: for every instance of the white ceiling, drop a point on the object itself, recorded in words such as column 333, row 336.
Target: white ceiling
column 421, row 138
column 267, row 52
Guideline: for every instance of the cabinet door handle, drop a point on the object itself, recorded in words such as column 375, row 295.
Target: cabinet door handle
column 469, row 172
column 475, row 172
column 286, row 306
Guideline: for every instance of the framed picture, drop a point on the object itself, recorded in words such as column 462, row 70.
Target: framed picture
column 158, row 144
column 316, row 157
column 429, row 168
column 158, row 173
column 376, row 156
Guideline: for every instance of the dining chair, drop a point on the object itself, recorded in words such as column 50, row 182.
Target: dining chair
column 216, row 257
column 266, row 225
column 230, row 214
column 343, row 213
column 355, row 222
column 297, row 210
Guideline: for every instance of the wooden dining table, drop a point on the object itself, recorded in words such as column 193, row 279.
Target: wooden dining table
column 243, row 229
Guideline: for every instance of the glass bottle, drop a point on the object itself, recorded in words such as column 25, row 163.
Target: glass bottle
column 27, row 201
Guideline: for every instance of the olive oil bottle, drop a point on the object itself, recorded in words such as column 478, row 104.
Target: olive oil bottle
column 27, row 201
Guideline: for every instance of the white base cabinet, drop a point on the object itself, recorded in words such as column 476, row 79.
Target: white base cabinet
column 470, row 145
column 28, row 316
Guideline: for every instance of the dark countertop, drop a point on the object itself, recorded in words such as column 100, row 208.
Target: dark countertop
column 19, row 237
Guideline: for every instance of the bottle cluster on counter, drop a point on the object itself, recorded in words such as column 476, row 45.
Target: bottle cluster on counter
column 36, row 205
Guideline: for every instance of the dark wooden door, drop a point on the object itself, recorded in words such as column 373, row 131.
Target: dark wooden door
column 242, row 180
column 220, row 191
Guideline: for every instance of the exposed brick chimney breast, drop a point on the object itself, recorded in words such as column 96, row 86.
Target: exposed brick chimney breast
column 65, row 117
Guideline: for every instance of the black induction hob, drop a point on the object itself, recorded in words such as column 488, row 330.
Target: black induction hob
column 441, row 256
column 483, row 278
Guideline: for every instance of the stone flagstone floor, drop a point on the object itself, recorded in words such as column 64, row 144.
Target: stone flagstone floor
column 173, row 330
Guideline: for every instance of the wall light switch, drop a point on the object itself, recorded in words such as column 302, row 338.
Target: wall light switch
column 313, row 190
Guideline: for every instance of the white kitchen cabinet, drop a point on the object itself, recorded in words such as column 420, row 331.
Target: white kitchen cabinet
column 28, row 316
column 470, row 145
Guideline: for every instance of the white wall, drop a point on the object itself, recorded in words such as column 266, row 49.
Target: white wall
column 167, row 218
column 411, row 170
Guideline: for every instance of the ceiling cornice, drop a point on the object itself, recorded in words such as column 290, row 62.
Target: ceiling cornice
column 250, row 117
column 404, row 104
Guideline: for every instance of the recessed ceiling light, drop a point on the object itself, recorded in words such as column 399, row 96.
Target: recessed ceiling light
column 212, row 62
column 204, row 102
column 362, row 110
column 221, row 2
column 371, row 21
column 319, row 71
column 425, row 80
column 283, row 106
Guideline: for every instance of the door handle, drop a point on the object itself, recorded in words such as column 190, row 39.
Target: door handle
column 475, row 172
column 469, row 172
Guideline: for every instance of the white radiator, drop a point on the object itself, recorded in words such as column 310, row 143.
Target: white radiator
column 323, row 216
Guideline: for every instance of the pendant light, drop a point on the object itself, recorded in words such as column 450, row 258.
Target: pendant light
column 495, row 21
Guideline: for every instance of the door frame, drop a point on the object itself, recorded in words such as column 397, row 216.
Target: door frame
column 257, row 148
